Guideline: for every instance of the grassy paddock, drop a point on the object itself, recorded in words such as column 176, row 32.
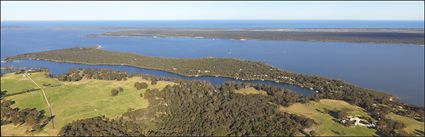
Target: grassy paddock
column 326, row 126
column 77, row 100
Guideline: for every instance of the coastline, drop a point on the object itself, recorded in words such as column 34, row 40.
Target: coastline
column 361, row 35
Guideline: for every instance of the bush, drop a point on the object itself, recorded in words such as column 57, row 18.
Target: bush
column 120, row 89
column 114, row 92
column 308, row 123
column 338, row 114
column 140, row 85
column 153, row 82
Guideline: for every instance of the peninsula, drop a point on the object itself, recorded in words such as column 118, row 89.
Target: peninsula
column 356, row 35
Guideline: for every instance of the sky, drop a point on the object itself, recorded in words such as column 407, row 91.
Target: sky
column 216, row 10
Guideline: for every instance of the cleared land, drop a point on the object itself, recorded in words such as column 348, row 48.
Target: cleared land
column 326, row 126
column 250, row 91
column 361, row 35
column 412, row 126
column 75, row 100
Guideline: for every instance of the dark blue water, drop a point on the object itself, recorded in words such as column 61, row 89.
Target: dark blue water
column 228, row 24
column 397, row 69
column 56, row 68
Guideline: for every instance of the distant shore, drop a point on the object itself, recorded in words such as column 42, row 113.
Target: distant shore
column 411, row 36
column 355, row 35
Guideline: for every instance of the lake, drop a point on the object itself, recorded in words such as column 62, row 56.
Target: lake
column 397, row 69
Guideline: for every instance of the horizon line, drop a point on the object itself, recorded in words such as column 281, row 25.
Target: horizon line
column 220, row 20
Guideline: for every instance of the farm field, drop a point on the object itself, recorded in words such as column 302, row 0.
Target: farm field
column 74, row 100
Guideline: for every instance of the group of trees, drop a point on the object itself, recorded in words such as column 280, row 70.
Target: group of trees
column 199, row 108
column 101, row 126
column 389, row 127
column 101, row 74
column 19, row 70
column 32, row 117
column 140, row 85
column 280, row 96
column 338, row 114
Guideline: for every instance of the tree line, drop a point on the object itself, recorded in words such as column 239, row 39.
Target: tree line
column 77, row 74
column 28, row 116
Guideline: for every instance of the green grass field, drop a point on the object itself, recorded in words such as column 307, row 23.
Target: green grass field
column 15, row 83
column 76, row 100
column 412, row 125
column 326, row 126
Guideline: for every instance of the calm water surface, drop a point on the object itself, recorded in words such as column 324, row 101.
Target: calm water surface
column 397, row 69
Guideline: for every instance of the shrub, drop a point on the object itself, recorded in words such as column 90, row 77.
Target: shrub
column 140, row 85
column 153, row 82
column 120, row 89
column 114, row 92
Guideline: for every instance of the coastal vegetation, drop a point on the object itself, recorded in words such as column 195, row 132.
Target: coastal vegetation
column 373, row 101
column 403, row 36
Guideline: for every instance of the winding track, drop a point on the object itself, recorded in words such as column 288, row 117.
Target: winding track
column 45, row 98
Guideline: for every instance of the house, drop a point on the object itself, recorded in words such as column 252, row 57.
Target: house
column 358, row 121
